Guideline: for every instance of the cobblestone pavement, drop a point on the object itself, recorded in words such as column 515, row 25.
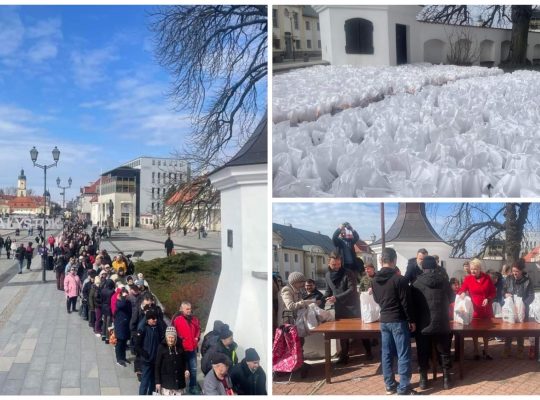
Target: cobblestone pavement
column 361, row 377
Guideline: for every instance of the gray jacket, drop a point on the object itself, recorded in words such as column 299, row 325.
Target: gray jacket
column 213, row 387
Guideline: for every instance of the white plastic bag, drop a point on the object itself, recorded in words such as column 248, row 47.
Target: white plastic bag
column 534, row 310
column 497, row 310
column 322, row 315
column 520, row 309
column 463, row 310
column 370, row 310
column 311, row 317
column 301, row 322
column 509, row 311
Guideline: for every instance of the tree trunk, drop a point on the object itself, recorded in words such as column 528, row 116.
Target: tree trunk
column 516, row 217
column 521, row 17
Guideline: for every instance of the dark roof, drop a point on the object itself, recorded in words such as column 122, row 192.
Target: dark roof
column 21, row 175
column 308, row 11
column 411, row 225
column 294, row 238
column 122, row 171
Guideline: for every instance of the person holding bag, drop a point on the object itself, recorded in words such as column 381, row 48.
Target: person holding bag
column 171, row 369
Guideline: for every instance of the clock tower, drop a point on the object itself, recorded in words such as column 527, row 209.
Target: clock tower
column 21, row 185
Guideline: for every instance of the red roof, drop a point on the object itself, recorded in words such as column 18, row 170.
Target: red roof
column 533, row 255
column 30, row 202
column 91, row 189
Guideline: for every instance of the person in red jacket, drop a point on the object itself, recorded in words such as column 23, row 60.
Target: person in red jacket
column 51, row 240
column 188, row 328
column 482, row 293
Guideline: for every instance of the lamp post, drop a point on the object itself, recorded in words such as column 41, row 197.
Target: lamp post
column 63, row 193
column 290, row 15
column 34, row 156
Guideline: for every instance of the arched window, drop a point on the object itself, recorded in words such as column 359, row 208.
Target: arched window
column 358, row 36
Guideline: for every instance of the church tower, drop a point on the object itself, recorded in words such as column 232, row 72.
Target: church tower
column 21, row 185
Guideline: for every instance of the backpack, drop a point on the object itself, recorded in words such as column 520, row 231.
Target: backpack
column 287, row 353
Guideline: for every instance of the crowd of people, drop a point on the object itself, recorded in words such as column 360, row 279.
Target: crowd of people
column 418, row 304
column 122, row 311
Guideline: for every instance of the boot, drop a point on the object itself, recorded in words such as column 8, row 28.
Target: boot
column 423, row 380
column 447, row 381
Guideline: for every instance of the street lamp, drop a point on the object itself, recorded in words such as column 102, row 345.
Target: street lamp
column 34, row 156
column 290, row 15
column 63, row 193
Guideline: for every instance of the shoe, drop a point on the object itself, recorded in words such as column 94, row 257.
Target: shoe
column 103, row 338
column 369, row 356
column 98, row 334
column 69, row 312
column 75, row 310
column 121, row 363
column 342, row 360
column 20, row 272
column 447, row 380
column 486, row 356
column 409, row 392
column 423, row 380
column 106, row 341
column 127, row 361
column 391, row 390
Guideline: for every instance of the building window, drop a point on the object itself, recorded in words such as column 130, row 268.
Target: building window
column 295, row 19
column 159, row 163
column 319, row 44
column 308, row 27
column 276, row 43
column 159, row 177
column 286, row 257
column 308, row 44
column 153, row 207
column 275, row 18
column 297, row 44
column 158, row 193
column 153, row 162
column 296, row 258
column 358, row 36
column 153, row 177
column 311, row 259
column 152, row 193
column 318, row 26
column 276, row 257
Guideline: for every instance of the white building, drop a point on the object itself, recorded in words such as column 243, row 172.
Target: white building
column 155, row 175
column 391, row 35
column 241, row 298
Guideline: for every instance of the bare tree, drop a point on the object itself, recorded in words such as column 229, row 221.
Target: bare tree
column 518, row 16
column 217, row 56
column 464, row 50
column 480, row 224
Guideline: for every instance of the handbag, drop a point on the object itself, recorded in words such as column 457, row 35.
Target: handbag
column 112, row 338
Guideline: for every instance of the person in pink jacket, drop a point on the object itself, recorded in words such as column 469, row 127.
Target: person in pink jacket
column 72, row 288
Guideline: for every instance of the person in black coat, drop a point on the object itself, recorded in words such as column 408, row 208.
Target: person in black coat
column 248, row 377
column 432, row 295
column 225, row 345
column 211, row 338
column 342, row 292
column 106, row 294
column 414, row 266
column 122, row 332
column 344, row 238
column 171, row 369
column 147, row 342
column 169, row 246
column 312, row 293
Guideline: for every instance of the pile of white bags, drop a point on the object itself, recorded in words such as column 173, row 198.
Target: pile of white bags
column 311, row 317
column 370, row 310
column 509, row 312
column 497, row 310
column 463, row 310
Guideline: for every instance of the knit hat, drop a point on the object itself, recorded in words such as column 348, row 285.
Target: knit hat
column 170, row 331
column 225, row 332
column 429, row 262
column 139, row 282
column 151, row 314
column 220, row 358
column 252, row 355
column 97, row 281
column 295, row 277
column 217, row 325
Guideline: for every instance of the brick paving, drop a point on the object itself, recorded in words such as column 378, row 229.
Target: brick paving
column 362, row 377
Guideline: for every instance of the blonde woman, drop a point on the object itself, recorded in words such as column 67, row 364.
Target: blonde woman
column 482, row 292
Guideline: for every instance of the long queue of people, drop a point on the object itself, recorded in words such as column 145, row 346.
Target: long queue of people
column 416, row 304
column 122, row 311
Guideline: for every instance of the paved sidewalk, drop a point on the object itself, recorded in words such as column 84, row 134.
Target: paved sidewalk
column 362, row 377
column 44, row 350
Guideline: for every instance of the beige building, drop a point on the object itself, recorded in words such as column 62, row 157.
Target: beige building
column 295, row 33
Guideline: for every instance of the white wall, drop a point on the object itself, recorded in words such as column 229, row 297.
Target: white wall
column 241, row 299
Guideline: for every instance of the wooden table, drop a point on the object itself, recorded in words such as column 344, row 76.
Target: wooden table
column 494, row 327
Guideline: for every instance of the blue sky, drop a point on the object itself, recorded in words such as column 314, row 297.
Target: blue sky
column 82, row 78
column 364, row 217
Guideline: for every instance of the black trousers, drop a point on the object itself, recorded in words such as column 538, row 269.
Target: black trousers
column 71, row 303
column 424, row 346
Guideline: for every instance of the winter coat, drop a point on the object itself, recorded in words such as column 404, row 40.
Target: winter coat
column 365, row 283
column 342, row 285
column 122, row 318
column 392, row 292
column 210, row 340
column 20, row 253
column 169, row 245
column 413, row 270
column 317, row 296
column 230, row 352
column 478, row 291
column 29, row 252
column 347, row 252
column 171, row 365
column 523, row 288
column 86, row 290
column 246, row 382
column 114, row 297
column 432, row 295
column 91, row 298
column 7, row 244
column 189, row 331
column 72, row 285
column 292, row 302
column 212, row 386
column 106, row 293
column 147, row 341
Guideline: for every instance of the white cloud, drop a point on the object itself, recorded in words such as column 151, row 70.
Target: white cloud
column 89, row 67
column 50, row 28
column 11, row 31
column 42, row 51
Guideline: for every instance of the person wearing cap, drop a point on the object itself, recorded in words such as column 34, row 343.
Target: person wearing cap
column 146, row 346
column 225, row 345
column 248, row 377
column 345, row 238
column 171, row 370
column 72, row 288
column 86, row 286
column 122, row 316
column 217, row 382
column 291, row 295
column 211, row 338
column 432, row 295
column 188, row 328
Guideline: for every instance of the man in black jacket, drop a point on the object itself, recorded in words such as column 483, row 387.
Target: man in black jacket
column 391, row 291
column 432, row 295
column 312, row 293
column 225, row 345
column 414, row 266
column 344, row 238
column 146, row 344
column 248, row 377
